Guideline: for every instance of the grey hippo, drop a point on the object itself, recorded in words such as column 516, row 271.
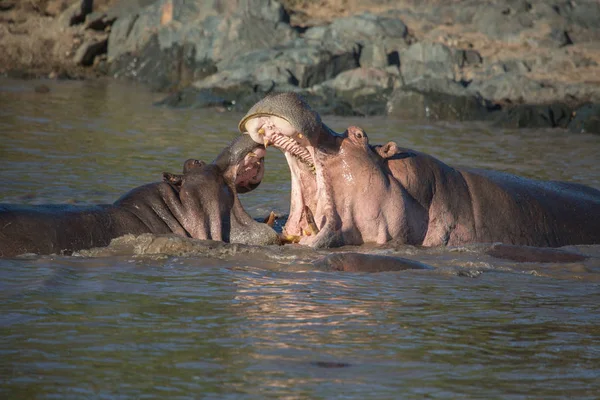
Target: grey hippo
column 345, row 191
column 201, row 203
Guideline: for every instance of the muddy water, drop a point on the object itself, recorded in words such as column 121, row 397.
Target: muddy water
column 124, row 323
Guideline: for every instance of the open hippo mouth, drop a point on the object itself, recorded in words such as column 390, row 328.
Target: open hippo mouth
column 250, row 170
column 242, row 163
column 285, row 121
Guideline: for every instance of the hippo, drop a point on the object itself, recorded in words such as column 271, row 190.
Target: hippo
column 345, row 191
column 367, row 263
column 201, row 203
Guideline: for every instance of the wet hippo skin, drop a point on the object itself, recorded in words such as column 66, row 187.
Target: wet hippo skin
column 346, row 191
column 360, row 262
column 201, row 203
column 534, row 254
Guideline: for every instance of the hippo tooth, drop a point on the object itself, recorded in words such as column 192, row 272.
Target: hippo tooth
column 291, row 146
column 300, row 135
column 270, row 220
column 267, row 143
column 261, row 131
column 251, row 154
column 290, row 238
column 310, row 219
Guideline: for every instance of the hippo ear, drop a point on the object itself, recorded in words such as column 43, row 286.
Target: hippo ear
column 172, row 179
column 388, row 150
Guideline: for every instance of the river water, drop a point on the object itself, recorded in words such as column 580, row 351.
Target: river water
column 176, row 324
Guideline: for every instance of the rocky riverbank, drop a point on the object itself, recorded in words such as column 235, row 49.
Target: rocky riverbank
column 516, row 63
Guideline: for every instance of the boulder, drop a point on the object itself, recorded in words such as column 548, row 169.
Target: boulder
column 90, row 49
column 199, row 34
column 379, row 38
column 287, row 68
column 365, row 90
column 430, row 60
column 161, row 68
column 586, row 119
column 438, row 99
column 534, row 116
column 513, row 88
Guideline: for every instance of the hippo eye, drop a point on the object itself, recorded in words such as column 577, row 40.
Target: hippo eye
column 359, row 135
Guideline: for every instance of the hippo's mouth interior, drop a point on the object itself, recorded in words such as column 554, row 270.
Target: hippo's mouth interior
column 308, row 199
column 250, row 170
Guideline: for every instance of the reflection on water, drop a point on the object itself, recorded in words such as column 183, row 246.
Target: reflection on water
column 252, row 326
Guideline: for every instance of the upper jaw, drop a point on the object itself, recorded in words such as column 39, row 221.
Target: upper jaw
column 277, row 131
column 312, row 215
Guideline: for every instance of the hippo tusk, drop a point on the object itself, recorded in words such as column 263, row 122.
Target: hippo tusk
column 310, row 219
column 261, row 131
column 267, row 143
column 270, row 220
column 289, row 239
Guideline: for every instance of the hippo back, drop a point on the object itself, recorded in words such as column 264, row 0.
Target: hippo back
column 533, row 212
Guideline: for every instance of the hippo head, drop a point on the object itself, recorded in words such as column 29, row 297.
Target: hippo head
column 242, row 163
column 207, row 204
column 338, row 180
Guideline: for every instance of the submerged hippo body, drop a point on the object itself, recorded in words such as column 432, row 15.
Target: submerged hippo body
column 346, row 191
column 201, row 203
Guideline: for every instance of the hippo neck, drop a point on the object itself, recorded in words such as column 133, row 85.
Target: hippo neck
column 152, row 206
column 244, row 229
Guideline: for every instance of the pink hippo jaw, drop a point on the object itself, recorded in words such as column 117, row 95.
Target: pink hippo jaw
column 312, row 220
column 250, row 170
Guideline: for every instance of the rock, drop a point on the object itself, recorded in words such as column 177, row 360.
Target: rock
column 438, row 99
column 283, row 68
column 586, row 119
column 581, row 18
column 366, row 90
column 301, row 65
column 535, row 116
column 327, row 102
column 379, row 38
column 363, row 81
column 162, row 68
column 83, row 8
column 519, row 63
column 99, row 21
column 210, row 32
column 513, row 88
column 88, row 51
column 470, row 57
column 430, row 60
column 375, row 55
